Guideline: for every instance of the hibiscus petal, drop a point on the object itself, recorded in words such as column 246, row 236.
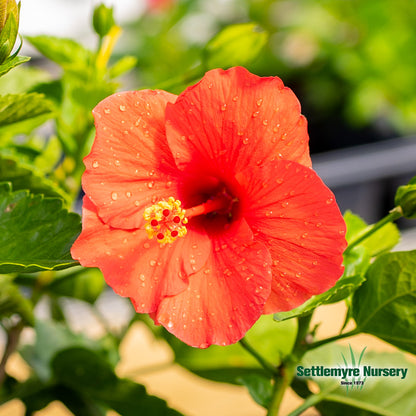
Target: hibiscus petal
column 294, row 214
column 130, row 165
column 232, row 119
column 135, row 266
column 226, row 297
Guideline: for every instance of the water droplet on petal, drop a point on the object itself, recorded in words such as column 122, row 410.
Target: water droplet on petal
column 265, row 122
column 330, row 200
column 246, row 140
column 128, row 194
column 95, row 164
column 114, row 196
column 117, row 162
column 106, row 110
column 170, row 324
column 142, row 277
column 255, row 114
column 203, row 345
column 235, row 98
column 276, row 128
column 150, row 184
column 259, row 102
column 146, row 245
column 223, row 107
column 152, row 263
column 122, row 108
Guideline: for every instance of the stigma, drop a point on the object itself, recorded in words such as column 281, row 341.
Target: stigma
column 165, row 220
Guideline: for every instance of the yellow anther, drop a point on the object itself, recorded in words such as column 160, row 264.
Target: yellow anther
column 165, row 220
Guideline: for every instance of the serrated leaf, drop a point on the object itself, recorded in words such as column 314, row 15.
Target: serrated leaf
column 13, row 302
column 227, row 364
column 91, row 376
column 381, row 241
column 35, row 232
column 388, row 396
column 65, row 52
column 15, row 108
column 385, row 305
column 23, row 176
column 11, row 63
column 235, row 45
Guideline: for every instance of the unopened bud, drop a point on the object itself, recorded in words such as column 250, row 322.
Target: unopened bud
column 406, row 199
column 103, row 20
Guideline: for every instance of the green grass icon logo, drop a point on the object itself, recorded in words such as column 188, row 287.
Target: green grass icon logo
column 357, row 382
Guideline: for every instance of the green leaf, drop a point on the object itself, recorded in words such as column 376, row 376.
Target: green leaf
column 235, row 45
column 11, row 63
column 83, row 284
column 52, row 337
column 90, row 375
column 385, row 305
column 65, row 52
column 388, row 396
column 23, row 176
column 259, row 387
column 12, row 301
column 35, row 232
column 381, row 241
column 15, row 108
column 125, row 64
column 342, row 289
column 230, row 363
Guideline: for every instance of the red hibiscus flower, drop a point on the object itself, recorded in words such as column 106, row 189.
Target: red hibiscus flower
column 203, row 208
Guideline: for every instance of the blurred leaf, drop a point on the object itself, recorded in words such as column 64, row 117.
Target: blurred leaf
column 381, row 241
column 35, row 232
column 89, row 95
column 23, row 176
column 11, row 63
column 22, row 79
column 259, row 387
column 12, row 301
column 123, row 65
column 65, row 52
column 84, row 284
column 52, row 337
column 91, row 376
column 15, row 108
column 389, row 397
column 227, row 364
column 385, row 305
column 235, row 45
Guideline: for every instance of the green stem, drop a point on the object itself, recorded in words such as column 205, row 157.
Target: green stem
column 393, row 215
column 317, row 344
column 281, row 383
column 270, row 368
column 286, row 370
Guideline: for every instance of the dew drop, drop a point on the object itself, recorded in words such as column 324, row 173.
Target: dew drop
column 210, row 85
column 259, row 102
column 106, row 110
column 95, row 164
column 223, row 107
column 330, row 200
column 203, row 345
column 255, row 114
column 117, row 162
column 298, row 274
column 137, row 203
column 276, row 128
column 235, row 98
column 207, row 271
column 265, row 122
column 122, row 108
column 168, row 184
column 114, row 196
column 170, row 324
column 128, row 194
column 246, row 140
column 285, row 204
column 318, row 224
column 276, row 262
column 142, row 277
column 150, row 184
column 304, row 235
column 152, row 263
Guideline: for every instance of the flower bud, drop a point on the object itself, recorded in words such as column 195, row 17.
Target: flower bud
column 406, row 199
column 9, row 26
column 103, row 20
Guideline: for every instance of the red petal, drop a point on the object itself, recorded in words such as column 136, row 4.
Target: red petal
column 232, row 119
column 135, row 266
column 130, row 165
column 225, row 298
column 291, row 210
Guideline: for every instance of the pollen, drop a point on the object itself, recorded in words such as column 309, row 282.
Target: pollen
column 165, row 220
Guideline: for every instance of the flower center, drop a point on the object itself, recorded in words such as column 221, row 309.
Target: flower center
column 166, row 220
